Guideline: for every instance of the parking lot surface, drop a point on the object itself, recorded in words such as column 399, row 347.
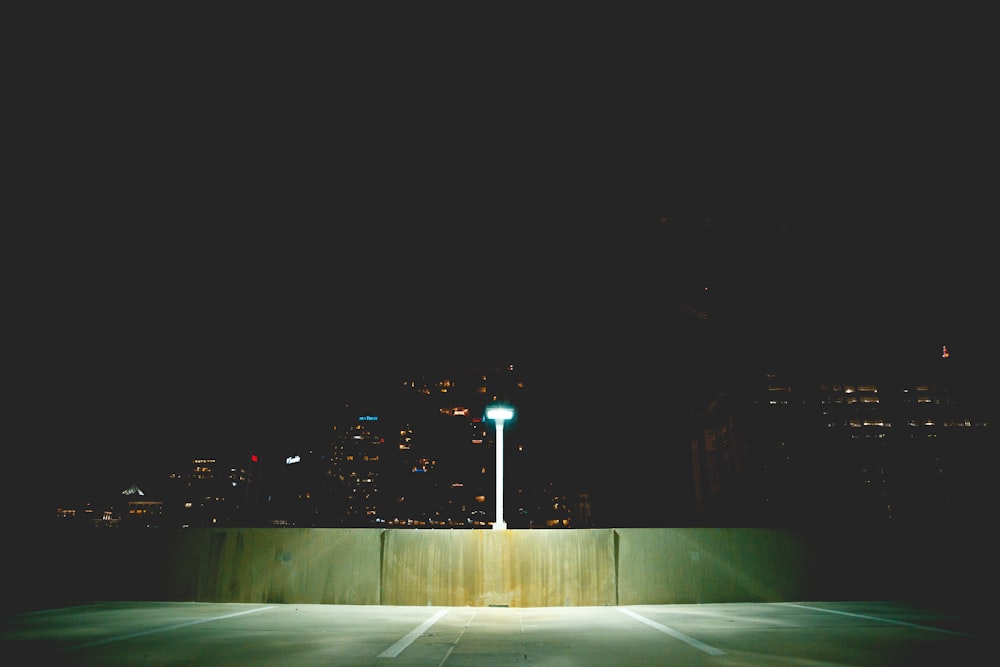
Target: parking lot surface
column 868, row 634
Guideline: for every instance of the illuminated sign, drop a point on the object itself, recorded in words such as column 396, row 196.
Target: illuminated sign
column 367, row 418
column 293, row 459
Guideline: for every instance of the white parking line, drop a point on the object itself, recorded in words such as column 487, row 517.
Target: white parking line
column 876, row 618
column 153, row 631
column 701, row 646
column 398, row 647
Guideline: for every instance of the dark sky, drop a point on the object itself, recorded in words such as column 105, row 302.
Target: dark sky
column 227, row 223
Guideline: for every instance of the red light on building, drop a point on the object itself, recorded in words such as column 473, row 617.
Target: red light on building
column 944, row 352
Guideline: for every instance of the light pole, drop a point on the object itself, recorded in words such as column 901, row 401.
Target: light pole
column 499, row 414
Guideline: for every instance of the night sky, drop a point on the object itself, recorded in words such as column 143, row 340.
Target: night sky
column 224, row 228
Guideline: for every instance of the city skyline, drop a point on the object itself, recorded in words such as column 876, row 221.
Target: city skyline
column 233, row 388
column 639, row 472
column 217, row 252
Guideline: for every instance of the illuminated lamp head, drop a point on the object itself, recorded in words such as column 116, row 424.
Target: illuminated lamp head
column 499, row 414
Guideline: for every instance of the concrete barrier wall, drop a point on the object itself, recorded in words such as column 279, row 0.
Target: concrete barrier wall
column 517, row 568
column 286, row 565
column 685, row 565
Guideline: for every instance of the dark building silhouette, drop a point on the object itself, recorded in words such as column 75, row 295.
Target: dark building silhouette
column 212, row 492
column 698, row 414
column 809, row 447
column 420, row 454
column 806, row 450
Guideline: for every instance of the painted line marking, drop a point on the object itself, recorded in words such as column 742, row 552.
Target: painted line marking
column 153, row 631
column 876, row 618
column 55, row 609
column 701, row 646
column 457, row 639
column 398, row 647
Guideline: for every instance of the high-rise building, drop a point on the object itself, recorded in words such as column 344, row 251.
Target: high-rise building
column 422, row 454
column 806, row 450
column 212, row 492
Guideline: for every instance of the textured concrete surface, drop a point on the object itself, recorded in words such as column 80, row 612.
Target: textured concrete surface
column 872, row 634
column 483, row 568
column 685, row 565
column 304, row 565
column 516, row 568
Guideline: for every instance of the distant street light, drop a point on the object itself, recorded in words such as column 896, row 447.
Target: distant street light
column 499, row 415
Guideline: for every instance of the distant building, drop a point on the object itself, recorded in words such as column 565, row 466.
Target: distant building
column 340, row 485
column 213, row 492
column 140, row 511
column 808, row 447
column 803, row 450
column 128, row 508
column 420, row 455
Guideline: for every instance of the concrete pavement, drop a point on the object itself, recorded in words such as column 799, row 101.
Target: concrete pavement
column 868, row 634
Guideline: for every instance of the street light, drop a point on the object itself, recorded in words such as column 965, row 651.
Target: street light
column 499, row 414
